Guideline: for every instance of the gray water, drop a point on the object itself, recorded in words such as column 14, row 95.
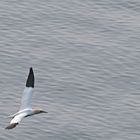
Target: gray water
column 86, row 59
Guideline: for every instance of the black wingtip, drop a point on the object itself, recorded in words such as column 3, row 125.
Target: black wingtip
column 11, row 126
column 30, row 79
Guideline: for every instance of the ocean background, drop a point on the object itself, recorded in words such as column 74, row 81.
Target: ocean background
column 86, row 59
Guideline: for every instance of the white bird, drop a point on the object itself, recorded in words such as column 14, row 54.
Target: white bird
column 25, row 108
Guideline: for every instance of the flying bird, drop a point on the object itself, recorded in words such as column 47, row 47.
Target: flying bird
column 25, row 108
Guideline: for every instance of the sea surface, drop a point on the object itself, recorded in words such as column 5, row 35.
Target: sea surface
column 86, row 59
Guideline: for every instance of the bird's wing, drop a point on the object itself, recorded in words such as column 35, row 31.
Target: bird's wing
column 11, row 126
column 16, row 120
column 27, row 94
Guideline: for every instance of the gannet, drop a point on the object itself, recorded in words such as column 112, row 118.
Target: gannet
column 25, row 108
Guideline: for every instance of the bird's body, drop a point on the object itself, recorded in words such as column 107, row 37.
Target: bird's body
column 25, row 108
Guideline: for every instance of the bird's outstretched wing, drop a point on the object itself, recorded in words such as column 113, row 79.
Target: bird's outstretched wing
column 16, row 120
column 27, row 93
column 11, row 126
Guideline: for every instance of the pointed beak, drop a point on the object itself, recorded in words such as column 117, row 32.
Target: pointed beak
column 44, row 112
